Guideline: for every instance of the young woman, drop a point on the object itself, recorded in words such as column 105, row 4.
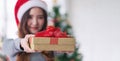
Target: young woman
column 31, row 17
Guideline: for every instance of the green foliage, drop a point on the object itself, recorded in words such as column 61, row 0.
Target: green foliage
column 56, row 10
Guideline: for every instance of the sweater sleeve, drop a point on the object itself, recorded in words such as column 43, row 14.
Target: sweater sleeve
column 11, row 48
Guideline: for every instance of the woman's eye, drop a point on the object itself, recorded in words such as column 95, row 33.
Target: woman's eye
column 29, row 17
column 41, row 17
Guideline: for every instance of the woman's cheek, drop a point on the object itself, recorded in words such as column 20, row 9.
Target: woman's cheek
column 29, row 22
column 41, row 23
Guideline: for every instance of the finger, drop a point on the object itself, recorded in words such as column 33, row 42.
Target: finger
column 28, row 50
column 26, row 47
column 28, row 36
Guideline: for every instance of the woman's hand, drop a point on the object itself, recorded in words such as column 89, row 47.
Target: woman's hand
column 25, row 45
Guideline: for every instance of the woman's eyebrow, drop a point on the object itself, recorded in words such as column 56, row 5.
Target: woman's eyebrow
column 40, row 15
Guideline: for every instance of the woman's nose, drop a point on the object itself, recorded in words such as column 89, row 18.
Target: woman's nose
column 34, row 22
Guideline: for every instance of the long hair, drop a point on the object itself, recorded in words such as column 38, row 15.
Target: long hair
column 23, row 30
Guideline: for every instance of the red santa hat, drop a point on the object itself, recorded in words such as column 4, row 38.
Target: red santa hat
column 23, row 5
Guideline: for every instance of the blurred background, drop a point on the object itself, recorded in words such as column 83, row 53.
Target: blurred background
column 94, row 23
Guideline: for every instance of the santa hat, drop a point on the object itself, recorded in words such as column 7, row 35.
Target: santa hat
column 23, row 5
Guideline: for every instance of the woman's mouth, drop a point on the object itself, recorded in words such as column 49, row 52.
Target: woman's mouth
column 34, row 28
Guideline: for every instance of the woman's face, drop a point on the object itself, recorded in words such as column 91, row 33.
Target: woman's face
column 35, row 20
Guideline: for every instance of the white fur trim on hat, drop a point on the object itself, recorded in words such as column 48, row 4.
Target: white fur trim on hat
column 31, row 3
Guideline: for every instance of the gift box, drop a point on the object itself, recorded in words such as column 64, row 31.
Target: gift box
column 52, row 44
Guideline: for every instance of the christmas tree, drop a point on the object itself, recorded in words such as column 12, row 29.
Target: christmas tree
column 60, row 20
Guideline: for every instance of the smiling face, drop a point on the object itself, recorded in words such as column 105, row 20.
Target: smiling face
column 35, row 20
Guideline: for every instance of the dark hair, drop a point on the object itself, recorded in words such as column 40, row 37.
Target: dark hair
column 23, row 29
